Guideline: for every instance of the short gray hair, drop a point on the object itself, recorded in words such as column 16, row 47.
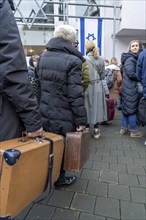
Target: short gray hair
column 66, row 32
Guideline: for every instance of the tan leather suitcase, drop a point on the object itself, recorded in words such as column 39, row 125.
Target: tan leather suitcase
column 77, row 149
column 24, row 181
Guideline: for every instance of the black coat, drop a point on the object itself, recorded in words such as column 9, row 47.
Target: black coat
column 62, row 100
column 129, row 86
column 18, row 106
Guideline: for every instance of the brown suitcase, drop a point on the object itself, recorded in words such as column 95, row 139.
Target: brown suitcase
column 24, row 181
column 77, row 149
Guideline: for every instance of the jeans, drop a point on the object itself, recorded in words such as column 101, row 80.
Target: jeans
column 130, row 120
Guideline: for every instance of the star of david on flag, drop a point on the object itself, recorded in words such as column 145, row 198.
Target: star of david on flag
column 90, row 29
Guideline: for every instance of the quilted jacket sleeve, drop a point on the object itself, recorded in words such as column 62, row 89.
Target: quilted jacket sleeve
column 13, row 71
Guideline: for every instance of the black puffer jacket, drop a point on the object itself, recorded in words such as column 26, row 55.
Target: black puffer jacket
column 18, row 106
column 129, row 86
column 62, row 101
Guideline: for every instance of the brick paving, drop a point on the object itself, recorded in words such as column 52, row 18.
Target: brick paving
column 111, row 185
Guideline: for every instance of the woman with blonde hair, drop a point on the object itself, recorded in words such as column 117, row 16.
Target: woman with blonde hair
column 130, row 95
column 95, row 102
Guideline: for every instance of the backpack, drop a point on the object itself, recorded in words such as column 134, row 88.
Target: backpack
column 109, row 76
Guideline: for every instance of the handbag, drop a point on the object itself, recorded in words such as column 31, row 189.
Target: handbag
column 77, row 150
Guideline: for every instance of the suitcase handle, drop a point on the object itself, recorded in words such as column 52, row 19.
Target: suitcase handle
column 26, row 138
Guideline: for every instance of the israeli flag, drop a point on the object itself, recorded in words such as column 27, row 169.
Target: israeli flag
column 90, row 29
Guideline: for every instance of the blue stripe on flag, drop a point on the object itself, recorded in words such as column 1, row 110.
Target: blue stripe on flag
column 82, row 35
column 100, row 36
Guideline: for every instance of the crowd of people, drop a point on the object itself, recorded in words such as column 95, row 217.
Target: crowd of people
column 74, row 88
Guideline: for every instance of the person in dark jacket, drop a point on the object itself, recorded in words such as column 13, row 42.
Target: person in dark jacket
column 33, row 76
column 141, row 70
column 18, row 106
column 130, row 95
column 62, row 100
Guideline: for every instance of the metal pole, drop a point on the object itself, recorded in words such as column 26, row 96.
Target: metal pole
column 67, row 12
column 114, row 29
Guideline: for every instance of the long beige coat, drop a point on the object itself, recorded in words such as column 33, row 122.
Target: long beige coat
column 95, row 102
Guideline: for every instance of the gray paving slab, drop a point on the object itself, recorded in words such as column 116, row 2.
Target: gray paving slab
column 110, row 186
column 79, row 186
column 61, row 198
column 132, row 211
column 83, row 202
column 128, row 180
column 140, row 162
column 40, row 211
column 90, row 174
column 136, row 170
column 65, row 214
column 138, row 195
column 97, row 188
column 119, row 192
column 119, row 168
column 100, row 166
column 108, row 176
column 107, row 207
column 86, row 216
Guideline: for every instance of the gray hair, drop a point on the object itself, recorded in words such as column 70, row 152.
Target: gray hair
column 66, row 32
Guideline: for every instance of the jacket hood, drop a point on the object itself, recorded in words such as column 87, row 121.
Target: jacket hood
column 59, row 44
column 125, row 56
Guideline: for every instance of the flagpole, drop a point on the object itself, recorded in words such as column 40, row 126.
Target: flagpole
column 114, row 29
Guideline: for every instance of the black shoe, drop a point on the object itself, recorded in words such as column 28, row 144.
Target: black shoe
column 103, row 123
column 67, row 181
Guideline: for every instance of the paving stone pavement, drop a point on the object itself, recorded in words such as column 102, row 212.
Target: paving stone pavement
column 111, row 185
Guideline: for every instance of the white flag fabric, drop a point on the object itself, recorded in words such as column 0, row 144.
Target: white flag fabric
column 90, row 29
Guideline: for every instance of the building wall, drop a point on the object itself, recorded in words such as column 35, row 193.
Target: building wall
column 133, row 18
column 133, row 14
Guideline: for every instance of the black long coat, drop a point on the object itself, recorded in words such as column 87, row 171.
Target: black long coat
column 62, row 101
column 129, row 86
column 18, row 106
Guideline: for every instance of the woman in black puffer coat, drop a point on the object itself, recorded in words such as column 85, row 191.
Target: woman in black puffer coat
column 130, row 95
column 62, row 100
